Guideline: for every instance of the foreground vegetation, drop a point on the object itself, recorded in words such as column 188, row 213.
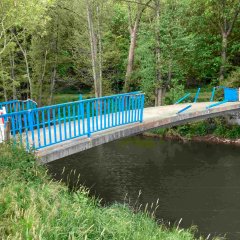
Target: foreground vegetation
column 34, row 207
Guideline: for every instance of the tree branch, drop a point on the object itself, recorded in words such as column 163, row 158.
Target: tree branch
column 140, row 3
column 234, row 19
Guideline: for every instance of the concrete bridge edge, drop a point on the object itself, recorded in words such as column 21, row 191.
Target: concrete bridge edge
column 80, row 144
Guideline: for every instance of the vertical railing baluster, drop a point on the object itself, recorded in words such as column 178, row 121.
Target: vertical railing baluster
column 100, row 106
column 20, row 126
column 112, row 99
column 38, row 129
column 132, row 103
column 65, row 124
column 119, row 111
column 44, row 128
column 105, row 114
column 129, row 109
column 49, row 127
column 26, row 129
column 97, row 115
column 138, row 106
column 88, row 120
column 83, row 117
column 31, row 128
column 135, row 111
column 142, row 108
column 13, row 128
column 109, row 110
column 93, row 116
column 116, row 111
column 60, row 123
column 123, row 109
column 54, row 124
column 79, row 114
column 74, row 119
column 69, row 122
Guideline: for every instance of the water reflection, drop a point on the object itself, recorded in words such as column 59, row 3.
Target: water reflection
column 198, row 182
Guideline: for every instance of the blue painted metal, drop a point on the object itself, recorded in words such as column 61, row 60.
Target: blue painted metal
column 17, row 105
column 45, row 126
column 216, row 104
column 197, row 95
column 184, row 109
column 231, row 94
column 183, row 98
column 213, row 93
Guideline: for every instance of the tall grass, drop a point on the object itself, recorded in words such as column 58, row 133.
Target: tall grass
column 32, row 206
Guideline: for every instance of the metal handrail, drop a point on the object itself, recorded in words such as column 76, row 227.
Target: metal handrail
column 45, row 126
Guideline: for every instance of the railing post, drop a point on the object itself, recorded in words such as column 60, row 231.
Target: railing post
column 88, row 120
column 30, row 121
column 197, row 94
column 213, row 93
column 142, row 108
column 7, row 129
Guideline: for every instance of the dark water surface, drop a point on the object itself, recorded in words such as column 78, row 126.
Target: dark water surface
column 198, row 182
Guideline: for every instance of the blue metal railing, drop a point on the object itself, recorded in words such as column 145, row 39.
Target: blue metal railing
column 18, row 105
column 45, row 126
column 183, row 98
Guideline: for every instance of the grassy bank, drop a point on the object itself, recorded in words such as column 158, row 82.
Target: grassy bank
column 34, row 207
column 211, row 128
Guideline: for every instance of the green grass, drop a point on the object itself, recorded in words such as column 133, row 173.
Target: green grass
column 32, row 206
column 69, row 97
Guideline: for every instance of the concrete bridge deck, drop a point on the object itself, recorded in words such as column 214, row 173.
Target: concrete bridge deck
column 154, row 117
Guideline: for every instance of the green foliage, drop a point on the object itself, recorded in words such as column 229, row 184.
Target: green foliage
column 233, row 80
column 175, row 93
column 34, row 207
column 217, row 127
column 46, row 44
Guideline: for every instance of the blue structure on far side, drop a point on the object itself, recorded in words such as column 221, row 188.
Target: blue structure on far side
column 231, row 94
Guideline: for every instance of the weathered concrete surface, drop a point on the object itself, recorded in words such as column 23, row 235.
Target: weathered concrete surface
column 233, row 119
column 154, row 117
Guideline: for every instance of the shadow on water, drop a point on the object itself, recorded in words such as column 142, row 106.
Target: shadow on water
column 199, row 182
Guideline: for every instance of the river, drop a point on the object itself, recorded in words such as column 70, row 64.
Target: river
column 196, row 182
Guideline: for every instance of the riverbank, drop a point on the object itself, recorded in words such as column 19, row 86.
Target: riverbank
column 212, row 131
column 32, row 206
column 207, row 138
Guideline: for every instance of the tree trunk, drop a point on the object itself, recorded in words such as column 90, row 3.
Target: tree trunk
column 24, row 52
column 3, row 81
column 99, row 53
column 131, row 56
column 159, row 90
column 94, row 52
column 223, row 56
column 159, row 96
column 12, row 64
column 133, row 35
column 41, row 80
column 53, row 80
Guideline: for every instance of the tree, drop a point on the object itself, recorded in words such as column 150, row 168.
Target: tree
column 134, row 23
column 224, row 15
column 19, row 21
column 95, row 41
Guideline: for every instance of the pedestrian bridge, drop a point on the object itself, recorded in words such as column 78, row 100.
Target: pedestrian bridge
column 61, row 130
